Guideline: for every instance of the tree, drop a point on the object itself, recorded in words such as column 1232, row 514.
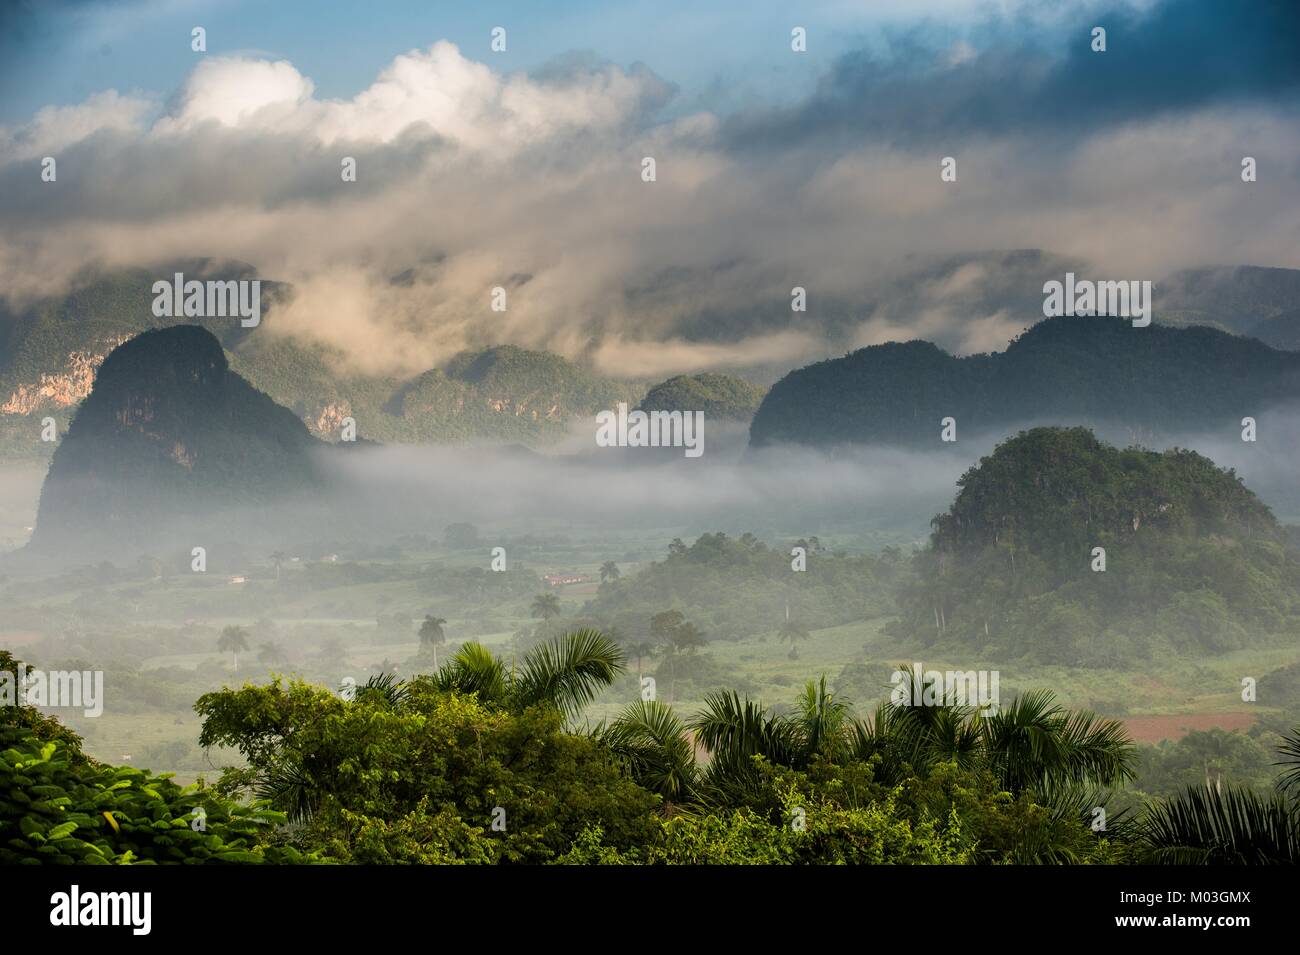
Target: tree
column 332, row 654
column 609, row 571
column 233, row 640
column 1034, row 748
column 792, row 632
column 271, row 653
column 564, row 673
column 1229, row 824
column 675, row 635
column 409, row 772
column 664, row 625
column 687, row 638
column 654, row 747
column 432, row 636
column 461, row 536
column 639, row 652
column 546, row 606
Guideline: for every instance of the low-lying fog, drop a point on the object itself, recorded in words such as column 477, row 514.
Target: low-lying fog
column 863, row 497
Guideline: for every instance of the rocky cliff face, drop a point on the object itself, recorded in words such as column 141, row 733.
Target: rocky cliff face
column 167, row 442
column 62, row 389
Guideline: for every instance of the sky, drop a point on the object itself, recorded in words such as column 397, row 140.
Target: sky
column 523, row 169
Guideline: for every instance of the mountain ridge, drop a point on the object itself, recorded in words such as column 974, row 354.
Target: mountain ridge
column 1071, row 370
column 169, row 439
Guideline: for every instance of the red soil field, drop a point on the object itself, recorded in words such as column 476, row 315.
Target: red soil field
column 1152, row 729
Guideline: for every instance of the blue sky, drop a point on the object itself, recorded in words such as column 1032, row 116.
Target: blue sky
column 723, row 54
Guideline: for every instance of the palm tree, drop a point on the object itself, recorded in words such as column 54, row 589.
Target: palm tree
column 735, row 730
column 639, row 652
column 1228, row 825
column 565, row 673
column 1231, row 825
column 916, row 738
column 546, row 606
column 1036, row 744
column 822, row 720
column 384, row 687
column 1062, row 758
column 609, row 571
column 654, row 747
column 1289, row 750
column 1033, row 745
column 233, row 640
column 791, row 632
column 432, row 636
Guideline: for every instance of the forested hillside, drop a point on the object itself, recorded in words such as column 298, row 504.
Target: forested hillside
column 1193, row 561
column 734, row 587
column 723, row 397
column 1071, row 370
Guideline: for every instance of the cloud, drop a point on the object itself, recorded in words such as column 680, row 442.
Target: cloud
column 469, row 179
column 57, row 127
column 1168, row 58
column 437, row 92
column 659, row 358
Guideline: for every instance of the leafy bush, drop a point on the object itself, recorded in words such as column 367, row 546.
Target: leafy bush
column 57, row 809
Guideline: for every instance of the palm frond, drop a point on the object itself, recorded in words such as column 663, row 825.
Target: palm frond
column 822, row 719
column 1227, row 826
column 654, row 745
column 474, row 669
column 384, row 688
column 290, row 789
column 1289, row 780
column 736, row 732
column 568, row 672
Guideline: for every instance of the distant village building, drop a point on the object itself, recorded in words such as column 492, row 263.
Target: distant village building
column 556, row 580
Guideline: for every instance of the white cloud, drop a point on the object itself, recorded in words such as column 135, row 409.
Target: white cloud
column 248, row 93
column 57, row 127
column 435, row 90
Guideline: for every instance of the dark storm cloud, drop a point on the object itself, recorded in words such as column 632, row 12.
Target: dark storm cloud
column 1180, row 55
